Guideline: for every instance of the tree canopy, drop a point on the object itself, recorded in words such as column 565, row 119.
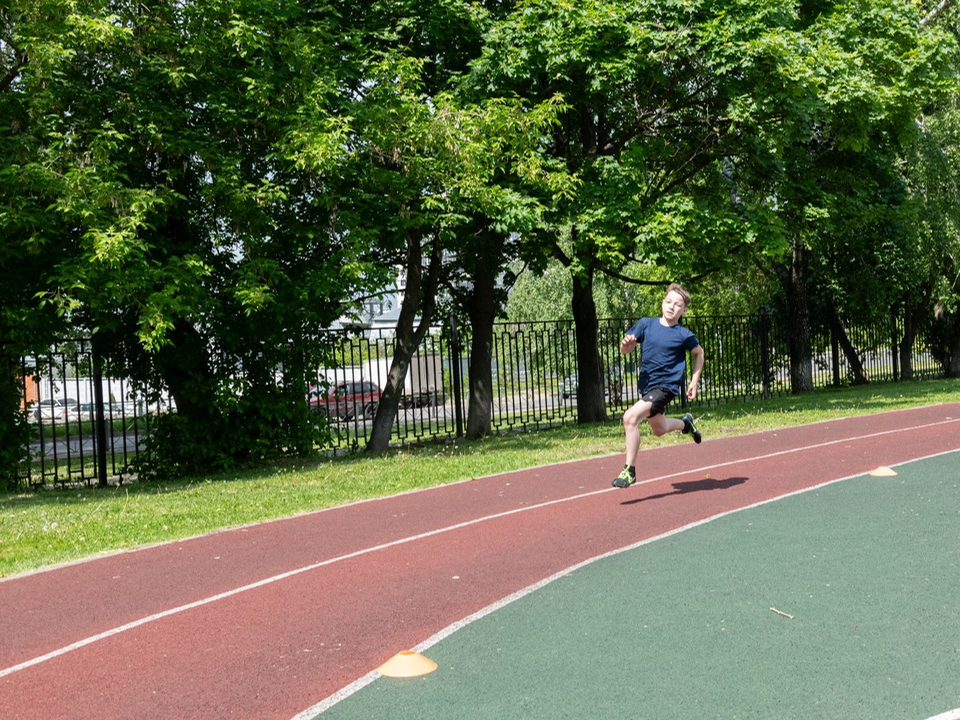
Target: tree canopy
column 206, row 187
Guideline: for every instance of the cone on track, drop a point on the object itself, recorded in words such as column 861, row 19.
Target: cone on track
column 407, row 664
column 883, row 471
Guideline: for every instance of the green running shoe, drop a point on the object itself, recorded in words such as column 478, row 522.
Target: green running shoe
column 624, row 479
column 690, row 429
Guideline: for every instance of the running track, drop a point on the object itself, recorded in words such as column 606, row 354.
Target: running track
column 267, row 620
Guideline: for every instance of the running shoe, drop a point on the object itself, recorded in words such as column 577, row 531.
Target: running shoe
column 624, row 479
column 691, row 429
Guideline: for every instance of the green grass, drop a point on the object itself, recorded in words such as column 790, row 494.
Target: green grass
column 44, row 527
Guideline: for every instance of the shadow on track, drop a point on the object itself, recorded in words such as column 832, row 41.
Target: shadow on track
column 682, row 488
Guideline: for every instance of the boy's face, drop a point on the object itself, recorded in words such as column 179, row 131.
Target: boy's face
column 673, row 307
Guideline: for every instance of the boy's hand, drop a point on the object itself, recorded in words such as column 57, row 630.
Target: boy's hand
column 692, row 391
column 628, row 344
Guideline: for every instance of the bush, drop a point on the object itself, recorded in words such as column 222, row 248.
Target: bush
column 237, row 431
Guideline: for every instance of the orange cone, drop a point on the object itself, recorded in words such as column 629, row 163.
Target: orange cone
column 883, row 471
column 407, row 664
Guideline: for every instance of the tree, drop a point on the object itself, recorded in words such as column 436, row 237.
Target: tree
column 933, row 257
column 443, row 160
column 930, row 171
column 426, row 164
column 31, row 234
column 855, row 77
column 649, row 89
column 178, row 156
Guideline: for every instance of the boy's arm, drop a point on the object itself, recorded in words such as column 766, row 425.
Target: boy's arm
column 697, row 355
column 629, row 341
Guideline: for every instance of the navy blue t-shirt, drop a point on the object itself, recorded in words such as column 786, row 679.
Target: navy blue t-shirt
column 663, row 353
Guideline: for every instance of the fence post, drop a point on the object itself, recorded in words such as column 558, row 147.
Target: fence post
column 835, row 349
column 101, row 422
column 457, row 380
column 765, row 351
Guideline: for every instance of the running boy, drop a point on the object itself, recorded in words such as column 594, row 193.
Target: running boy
column 664, row 344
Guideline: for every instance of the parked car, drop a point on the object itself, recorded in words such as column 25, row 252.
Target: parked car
column 568, row 386
column 85, row 412
column 126, row 409
column 55, row 409
column 346, row 401
column 612, row 384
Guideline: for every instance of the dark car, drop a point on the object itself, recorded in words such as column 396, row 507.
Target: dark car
column 612, row 384
column 568, row 387
column 346, row 401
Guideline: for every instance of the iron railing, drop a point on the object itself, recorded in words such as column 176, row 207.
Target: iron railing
column 88, row 428
column 85, row 426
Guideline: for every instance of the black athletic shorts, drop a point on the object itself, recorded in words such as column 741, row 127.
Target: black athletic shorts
column 658, row 398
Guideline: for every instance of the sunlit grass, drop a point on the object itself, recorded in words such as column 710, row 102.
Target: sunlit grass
column 43, row 527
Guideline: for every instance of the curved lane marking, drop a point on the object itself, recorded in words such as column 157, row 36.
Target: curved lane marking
column 413, row 538
column 299, row 515
column 362, row 682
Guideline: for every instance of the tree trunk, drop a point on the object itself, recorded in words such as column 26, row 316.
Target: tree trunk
column 482, row 309
column 952, row 368
column 14, row 426
column 590, row 405
column 184, row 365
column 953, row 364
column 480, row 409
column 853, row 357
column 793, row 278
column 916, row 306
column 905, row 349
column 392, row 395
column 420, row 294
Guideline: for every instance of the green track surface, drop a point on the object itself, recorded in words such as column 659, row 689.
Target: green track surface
column 682, row 627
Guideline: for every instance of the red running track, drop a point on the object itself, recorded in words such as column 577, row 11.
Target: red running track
column 268, row 620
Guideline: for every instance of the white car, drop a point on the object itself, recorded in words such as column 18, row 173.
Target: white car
column 55, row 409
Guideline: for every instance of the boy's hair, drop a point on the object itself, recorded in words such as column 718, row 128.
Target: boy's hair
column 679, row 290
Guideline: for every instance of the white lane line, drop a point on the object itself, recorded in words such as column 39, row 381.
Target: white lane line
column 362, row 682
column 439, row 488
column 413, row 538
column 948, row 715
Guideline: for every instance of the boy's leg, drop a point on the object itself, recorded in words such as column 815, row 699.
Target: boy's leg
column 650, row 407
column 661, row 425
column 632, row 418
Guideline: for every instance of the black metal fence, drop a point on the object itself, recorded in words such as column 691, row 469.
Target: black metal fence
column 87, row 428
column 84, row 427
